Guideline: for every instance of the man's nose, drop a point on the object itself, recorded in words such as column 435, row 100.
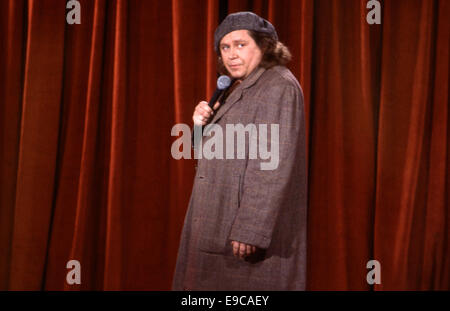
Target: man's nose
column 232, row 53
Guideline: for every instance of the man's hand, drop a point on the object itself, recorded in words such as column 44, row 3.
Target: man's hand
column 203, row 113
column 242, row 250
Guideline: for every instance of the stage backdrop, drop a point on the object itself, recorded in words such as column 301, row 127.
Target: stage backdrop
column 86, row 113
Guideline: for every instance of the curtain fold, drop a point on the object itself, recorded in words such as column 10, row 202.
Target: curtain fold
column 12, row 31
column 343, row 146
column 86, row 112
column 412, row 202
column 37, row 138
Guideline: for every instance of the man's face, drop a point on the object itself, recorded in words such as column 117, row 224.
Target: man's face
column 240, row 53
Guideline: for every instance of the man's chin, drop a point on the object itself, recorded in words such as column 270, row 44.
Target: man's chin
column 236, row 75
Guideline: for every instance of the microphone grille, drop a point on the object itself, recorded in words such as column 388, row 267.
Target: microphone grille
column 223, row 82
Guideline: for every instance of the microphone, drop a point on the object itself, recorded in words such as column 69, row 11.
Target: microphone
column 223, row 82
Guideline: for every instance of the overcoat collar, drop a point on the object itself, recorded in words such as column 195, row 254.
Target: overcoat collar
column 237, row 93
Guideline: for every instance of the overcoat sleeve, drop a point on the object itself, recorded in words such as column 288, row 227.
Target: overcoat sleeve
column 264, row 191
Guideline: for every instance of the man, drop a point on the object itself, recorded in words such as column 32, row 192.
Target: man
column 245, row 228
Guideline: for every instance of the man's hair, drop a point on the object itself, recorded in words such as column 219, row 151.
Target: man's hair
column 274, row 52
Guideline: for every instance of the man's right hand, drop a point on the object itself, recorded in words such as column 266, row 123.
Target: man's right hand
column 203, row 113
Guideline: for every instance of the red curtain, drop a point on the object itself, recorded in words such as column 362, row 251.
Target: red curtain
column 86, row 113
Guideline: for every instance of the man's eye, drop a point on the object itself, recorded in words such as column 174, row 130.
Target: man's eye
column 224, row 48
column 241, row 45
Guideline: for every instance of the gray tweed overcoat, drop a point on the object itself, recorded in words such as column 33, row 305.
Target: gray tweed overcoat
column 234, row 199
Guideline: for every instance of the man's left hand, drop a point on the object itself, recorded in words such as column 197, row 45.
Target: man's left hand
column 242, row 250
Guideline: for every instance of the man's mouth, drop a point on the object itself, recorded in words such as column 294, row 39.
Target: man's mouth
column 235, row 66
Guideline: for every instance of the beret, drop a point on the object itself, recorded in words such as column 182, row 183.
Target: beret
column 243, row 20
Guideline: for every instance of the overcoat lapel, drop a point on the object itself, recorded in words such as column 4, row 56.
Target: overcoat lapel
column 236, row 95
column 231, row 100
